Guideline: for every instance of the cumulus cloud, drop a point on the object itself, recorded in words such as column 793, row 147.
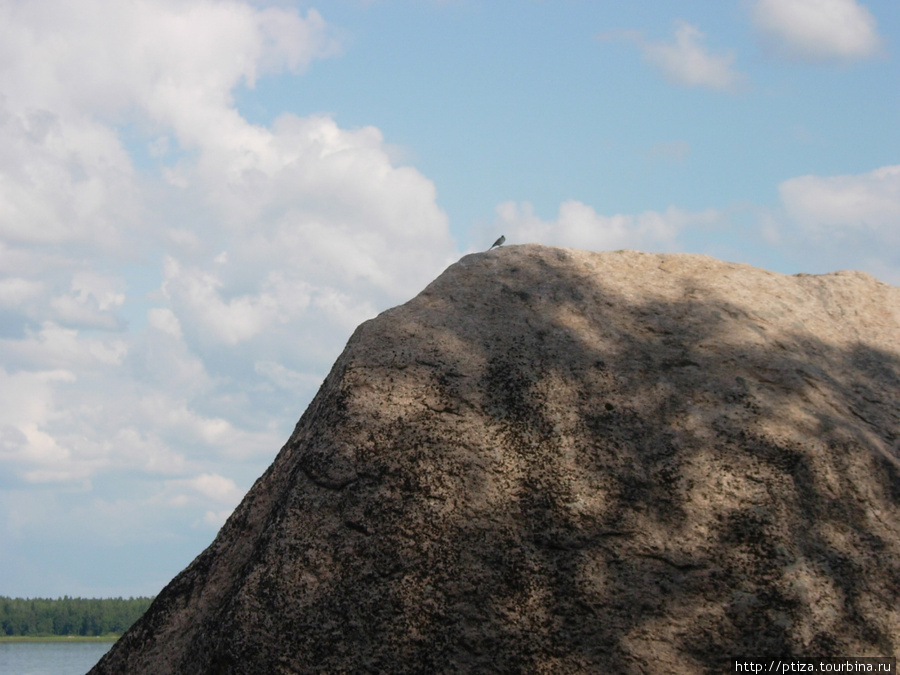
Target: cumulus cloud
column 56, row 347
column 848, row 221
column 817, row 30
column 176, row 60
column 285, row 378
column 686, row 60
column 216, row 519
column 211, row 491
column 580, row 226
column 91, row 302
column 27, row 406
column 66, row 180
column 15, row 290
column 164, row 319
column 172, row 319
column 216, row 487
column 846, row 204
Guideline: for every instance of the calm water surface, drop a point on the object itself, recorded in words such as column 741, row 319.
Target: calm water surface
column 50, row 658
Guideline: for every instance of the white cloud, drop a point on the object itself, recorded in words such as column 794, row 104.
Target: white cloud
column 167, row 319
column 817, row 30
column 198, row 294
column 15, row 290
column 26, row 397
column 825, row 223
column 91, row 302
column 27, row 407
column 65, row 179
column 132, row 448
column 205, row 490
column 164, row 319
column 580, row 226
column 216, row 487
column 685, row 60
column 53, row 346
column 846, row 204
column 103, row 56
column 286, row 378
column 66, row 67
column 274, row 240
column 69, row 198
column 216, row 519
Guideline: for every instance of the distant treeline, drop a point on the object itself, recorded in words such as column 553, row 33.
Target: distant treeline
column 37, row 617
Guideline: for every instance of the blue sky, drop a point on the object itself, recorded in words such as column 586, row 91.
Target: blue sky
column 200, row 200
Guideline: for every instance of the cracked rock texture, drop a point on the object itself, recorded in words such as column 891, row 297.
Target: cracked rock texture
column 557, row 461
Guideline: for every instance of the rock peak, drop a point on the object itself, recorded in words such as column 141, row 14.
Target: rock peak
column 554, row 460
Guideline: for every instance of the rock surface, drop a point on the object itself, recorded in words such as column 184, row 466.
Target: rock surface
column 556, row 461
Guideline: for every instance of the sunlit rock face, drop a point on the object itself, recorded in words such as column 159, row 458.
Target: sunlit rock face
column 557, row 461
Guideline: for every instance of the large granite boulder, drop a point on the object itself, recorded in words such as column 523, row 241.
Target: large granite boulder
column 557, row 461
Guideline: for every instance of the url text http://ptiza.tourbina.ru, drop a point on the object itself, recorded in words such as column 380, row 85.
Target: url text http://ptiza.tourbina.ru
column 858, row 664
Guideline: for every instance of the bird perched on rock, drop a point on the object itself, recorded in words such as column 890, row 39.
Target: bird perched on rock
column 499, row 242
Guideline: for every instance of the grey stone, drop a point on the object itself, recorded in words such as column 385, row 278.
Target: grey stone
column 556, row 461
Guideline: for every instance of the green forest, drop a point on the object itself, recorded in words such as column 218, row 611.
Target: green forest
column 42, row 617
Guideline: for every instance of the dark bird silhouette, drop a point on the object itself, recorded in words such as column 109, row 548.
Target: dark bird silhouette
column 499, row 242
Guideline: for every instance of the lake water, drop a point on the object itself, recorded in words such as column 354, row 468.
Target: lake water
column 50, row 658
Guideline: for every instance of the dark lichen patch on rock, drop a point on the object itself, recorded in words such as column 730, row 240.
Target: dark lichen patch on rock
column 556, row 461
